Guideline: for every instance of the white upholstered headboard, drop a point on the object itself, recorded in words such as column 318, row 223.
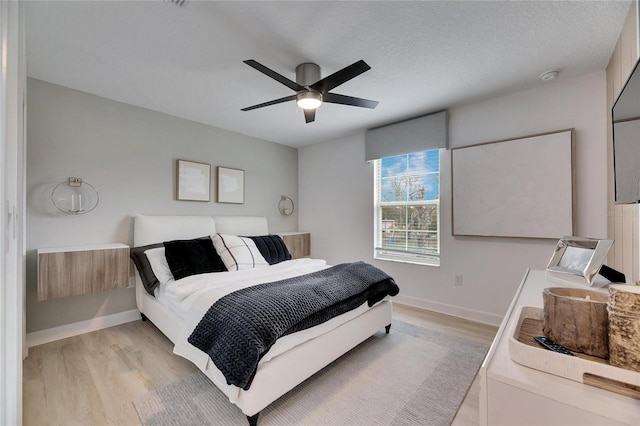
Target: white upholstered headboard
column 249, row 226
column 149, row 229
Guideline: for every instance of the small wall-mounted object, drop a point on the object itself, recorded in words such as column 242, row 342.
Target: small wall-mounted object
column 74, row 196
column 73, row 271
column 286, row 206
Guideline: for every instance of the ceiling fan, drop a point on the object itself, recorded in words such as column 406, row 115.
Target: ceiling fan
column 311, row 91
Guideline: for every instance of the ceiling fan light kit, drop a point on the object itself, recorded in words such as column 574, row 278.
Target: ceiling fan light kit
column 309, row 100
column 311, row 90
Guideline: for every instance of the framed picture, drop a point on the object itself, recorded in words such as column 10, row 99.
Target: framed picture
column 230, row 185
column 578, row 259
column 193, row 181
column 479, row 188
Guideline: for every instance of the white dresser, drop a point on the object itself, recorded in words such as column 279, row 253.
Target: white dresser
column 512, row 394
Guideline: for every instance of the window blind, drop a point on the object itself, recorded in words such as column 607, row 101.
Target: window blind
column 413, row 135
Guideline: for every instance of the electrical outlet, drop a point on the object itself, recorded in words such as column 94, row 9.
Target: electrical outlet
column 458, row 281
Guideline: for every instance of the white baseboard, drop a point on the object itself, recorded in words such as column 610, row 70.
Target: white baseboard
column 62, row 332
column 443, row 308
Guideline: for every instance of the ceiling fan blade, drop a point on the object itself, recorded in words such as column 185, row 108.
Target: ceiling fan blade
column 309, row 115
column 274, row 75
column 339, row 77
column 274, row 102
column 334, row 98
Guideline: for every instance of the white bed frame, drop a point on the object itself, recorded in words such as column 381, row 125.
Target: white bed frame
column 282, row 373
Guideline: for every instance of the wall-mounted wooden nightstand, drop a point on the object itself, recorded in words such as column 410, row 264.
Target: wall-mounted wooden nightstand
column 298, row 243
column 72, row 271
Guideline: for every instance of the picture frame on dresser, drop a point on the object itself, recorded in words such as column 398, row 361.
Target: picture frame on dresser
column 578, row 260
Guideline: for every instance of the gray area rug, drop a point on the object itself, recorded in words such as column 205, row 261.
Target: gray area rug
column 412, row 376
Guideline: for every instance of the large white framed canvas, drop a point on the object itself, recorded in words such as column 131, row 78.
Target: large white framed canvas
column 193, row 180
column 230, row 185
column 514, row 188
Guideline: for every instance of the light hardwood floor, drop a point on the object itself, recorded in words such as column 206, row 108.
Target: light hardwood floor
column 91, row 379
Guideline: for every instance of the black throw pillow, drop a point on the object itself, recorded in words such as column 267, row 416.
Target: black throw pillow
column 190, row 257
column 143, row 266
column 272, row 248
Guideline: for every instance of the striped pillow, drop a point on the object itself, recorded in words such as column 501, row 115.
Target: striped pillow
column 238, row 253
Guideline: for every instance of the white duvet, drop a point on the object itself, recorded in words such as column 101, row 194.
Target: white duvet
column 192, row 296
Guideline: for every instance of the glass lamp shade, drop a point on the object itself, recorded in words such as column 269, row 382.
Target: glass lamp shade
column 285, row 206
column 309, row 100
column 75, row 197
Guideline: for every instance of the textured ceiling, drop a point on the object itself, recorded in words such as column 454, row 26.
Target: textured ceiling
column 425, row 55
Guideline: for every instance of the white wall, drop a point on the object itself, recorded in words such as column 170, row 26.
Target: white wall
column 336, row 198
column 129, row 154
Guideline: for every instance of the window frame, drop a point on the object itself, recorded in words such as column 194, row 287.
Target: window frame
column 398, row 255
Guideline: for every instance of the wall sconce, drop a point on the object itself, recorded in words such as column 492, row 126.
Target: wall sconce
column 286, row 206
column 74, row 196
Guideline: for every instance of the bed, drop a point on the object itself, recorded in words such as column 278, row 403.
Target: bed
column 288, row 364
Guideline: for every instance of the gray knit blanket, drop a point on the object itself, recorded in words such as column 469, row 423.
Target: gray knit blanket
column 238, row 330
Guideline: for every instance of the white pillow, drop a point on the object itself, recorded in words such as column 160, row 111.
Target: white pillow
column 238, row 253
column 159, row 265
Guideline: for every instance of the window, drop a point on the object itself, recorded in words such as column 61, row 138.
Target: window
column 407, row 208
